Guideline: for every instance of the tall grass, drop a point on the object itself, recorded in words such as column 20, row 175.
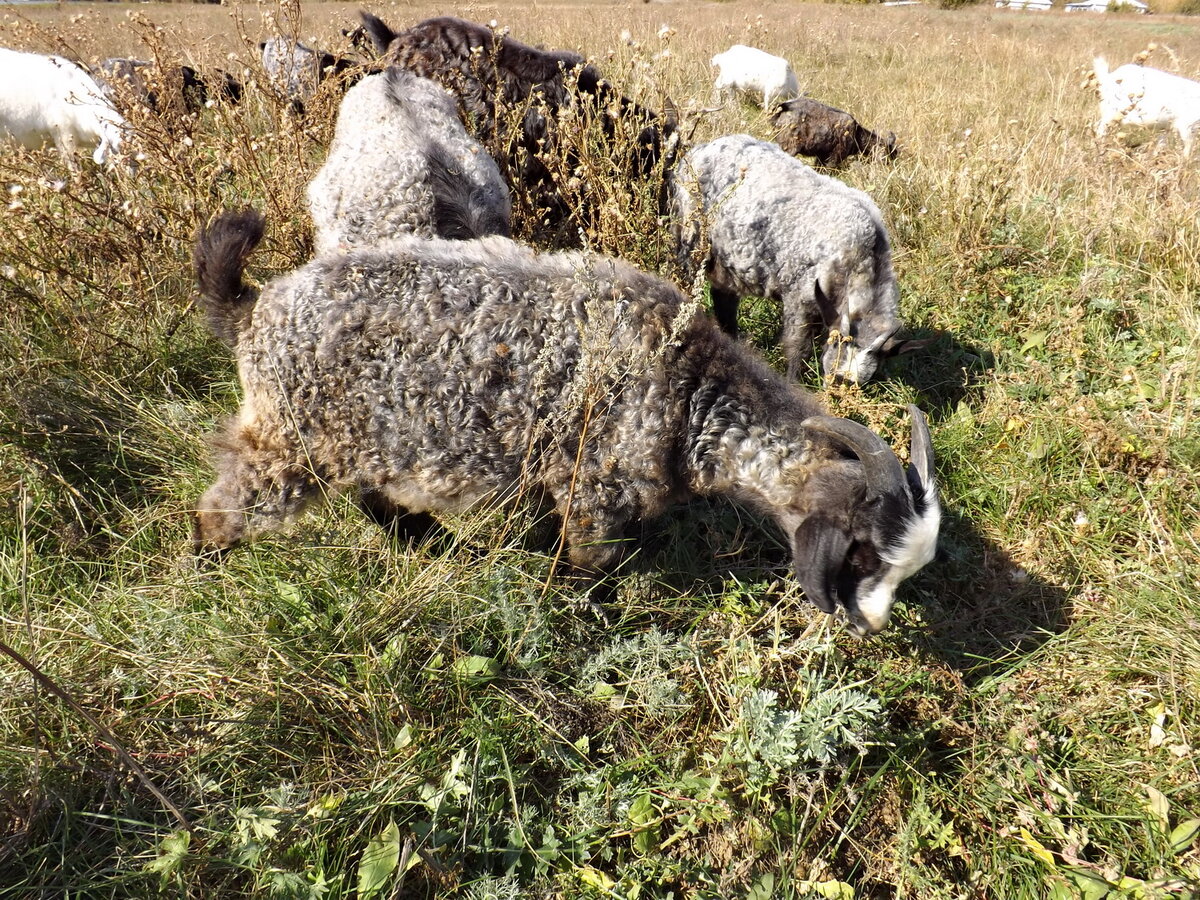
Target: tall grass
column 335, row 714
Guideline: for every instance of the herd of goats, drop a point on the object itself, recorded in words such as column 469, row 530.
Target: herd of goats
column 431, row 363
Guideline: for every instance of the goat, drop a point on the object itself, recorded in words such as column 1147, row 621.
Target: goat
column 48, row 98
column 753, row 73
column 396, row 135
column 451, row 375
column 776, row 228
column 806, row 127
column 491, row 72
column 142, row 81
column 296, row 69
column 1139, row 95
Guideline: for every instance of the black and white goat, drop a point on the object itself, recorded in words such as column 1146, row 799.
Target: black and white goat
column 449, row 375
column 126, row 80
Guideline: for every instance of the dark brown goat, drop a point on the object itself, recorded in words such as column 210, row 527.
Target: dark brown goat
column 806, row 127
column 490, row 73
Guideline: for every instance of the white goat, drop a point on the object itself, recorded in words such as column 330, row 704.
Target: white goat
column 1140, row 95
column 755, row 73
column 48, row 98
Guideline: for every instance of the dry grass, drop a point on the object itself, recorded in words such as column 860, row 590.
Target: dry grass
column 1028, row 728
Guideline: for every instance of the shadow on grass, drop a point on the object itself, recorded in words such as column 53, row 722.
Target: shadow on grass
column 91, row 448
column 981, row 608
column 942, row 373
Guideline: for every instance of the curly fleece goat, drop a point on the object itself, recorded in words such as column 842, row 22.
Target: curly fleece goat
column 779, row 229
column 452, row 374
column 397, row 134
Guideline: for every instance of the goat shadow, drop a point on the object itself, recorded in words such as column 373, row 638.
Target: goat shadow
column 91, row 448
column 942, row 373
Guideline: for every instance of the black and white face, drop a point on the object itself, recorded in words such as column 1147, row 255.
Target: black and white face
column 868, row 525
column 858, row 565
column 872, row 573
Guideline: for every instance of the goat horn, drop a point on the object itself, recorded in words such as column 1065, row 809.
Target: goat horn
column 882, row 469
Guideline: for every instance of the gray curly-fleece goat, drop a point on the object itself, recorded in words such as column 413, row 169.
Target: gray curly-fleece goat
column 398, row 139
column 779, row 229
column 452, row 374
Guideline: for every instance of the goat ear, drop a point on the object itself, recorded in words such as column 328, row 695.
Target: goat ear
column 894, row 347
column 818, row 552
column 825, row 305
column 920, row 471
column 670, row 114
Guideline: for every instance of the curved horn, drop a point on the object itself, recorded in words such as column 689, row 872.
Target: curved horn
column 882, row 469
column 920, row 472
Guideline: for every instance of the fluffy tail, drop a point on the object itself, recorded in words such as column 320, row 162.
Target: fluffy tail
column 1100, row 67
column 220, row 259
column 379, row 33
column 461, row 211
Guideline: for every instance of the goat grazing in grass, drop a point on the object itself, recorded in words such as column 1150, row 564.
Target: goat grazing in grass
column 297, row 69
column 1139, row 95
column 776, row 228
column 181, row 87
column 449, row 375
column 50, row 99
column 396, row 134
column 806, row 127
column 755, row 74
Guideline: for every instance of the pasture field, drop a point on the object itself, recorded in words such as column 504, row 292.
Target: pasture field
column 327, row 713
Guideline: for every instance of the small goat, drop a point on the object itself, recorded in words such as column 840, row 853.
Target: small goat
column 755, row 73
column 448, row 375
column 48, row 98
column 296, row 69
column 1139, row 95
column 776, row 228
column 806, row 127
column 397, row 134
column 142, row 81
column 491, row 73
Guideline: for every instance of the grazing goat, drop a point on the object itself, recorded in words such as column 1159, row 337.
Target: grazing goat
column 48, row 98
column 450, row 375
column 142, row 81
column 776, row 228
column 1139, row 95
column 296, row 69
column 492, row 73
column 806, row 127
column 755, row 73
column 397, row 134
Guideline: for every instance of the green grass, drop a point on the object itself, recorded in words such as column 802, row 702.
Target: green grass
column 336, row 715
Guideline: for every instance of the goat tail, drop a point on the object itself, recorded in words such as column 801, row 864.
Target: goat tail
column 1100, row 67
column 220, row 262
column 462, row 211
